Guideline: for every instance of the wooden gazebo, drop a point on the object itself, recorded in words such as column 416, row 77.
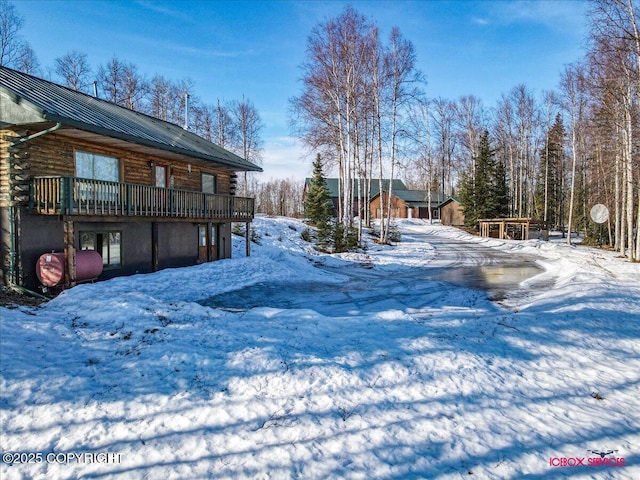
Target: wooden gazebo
column 502, row 225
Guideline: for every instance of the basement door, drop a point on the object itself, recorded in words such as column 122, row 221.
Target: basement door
column 207, row 242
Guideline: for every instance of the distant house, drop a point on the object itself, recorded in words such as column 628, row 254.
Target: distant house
column 404, row 203
column 407, row 204
column 79, row 173
column 333, row 185
column 451, row 212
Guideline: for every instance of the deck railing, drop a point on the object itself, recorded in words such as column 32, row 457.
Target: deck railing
column 59, row 195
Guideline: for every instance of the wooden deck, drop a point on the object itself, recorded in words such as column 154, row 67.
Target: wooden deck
column 61, row 195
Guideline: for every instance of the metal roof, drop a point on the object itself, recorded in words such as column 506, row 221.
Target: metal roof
column 418, row 198
column 334, row 188
column 76, row 109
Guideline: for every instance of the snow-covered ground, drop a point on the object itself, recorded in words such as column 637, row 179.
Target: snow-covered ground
column 293, row 364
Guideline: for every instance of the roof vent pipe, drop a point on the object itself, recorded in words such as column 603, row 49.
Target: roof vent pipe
column 95, row 88
column 186, row 111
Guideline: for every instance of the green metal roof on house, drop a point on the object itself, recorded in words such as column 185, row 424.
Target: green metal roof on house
column 417, row 198
column 334, row 190
column 47, row 101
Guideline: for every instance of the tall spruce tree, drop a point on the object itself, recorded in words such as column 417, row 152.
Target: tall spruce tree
column 467, row 194
column 500, row 189
column 318, row 202
column 483, row 188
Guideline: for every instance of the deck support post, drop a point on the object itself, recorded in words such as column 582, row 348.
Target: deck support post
column 69, row 254
column 247, row 234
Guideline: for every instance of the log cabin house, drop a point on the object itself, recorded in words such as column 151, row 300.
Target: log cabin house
column 81, row 173
column 405, row 203
column 358, row 188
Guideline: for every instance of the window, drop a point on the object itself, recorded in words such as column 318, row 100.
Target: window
column 209, row 183
column 107, row 244
column 97, row 167
column 203, row 241
column 202, row 235
column 162, row 176
column 214, row 235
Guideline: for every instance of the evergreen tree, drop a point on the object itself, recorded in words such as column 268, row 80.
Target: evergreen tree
column 483, row 188
column 467, row 195
column 317, row 203
column 550, row 176
column 500, row 190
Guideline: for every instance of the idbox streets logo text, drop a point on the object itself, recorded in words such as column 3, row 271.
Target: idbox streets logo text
column 602, row 460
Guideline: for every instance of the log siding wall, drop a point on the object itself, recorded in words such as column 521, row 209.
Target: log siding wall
column 398, row 206
column 4, row 168
column 54, row 154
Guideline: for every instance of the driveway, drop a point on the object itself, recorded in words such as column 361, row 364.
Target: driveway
column 456, row 272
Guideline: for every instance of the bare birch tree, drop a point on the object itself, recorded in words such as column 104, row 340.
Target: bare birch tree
column 572, row 86
column 470, row 118
column 74, row 70
column 403, row 78
column 160, row 97
column 248, row 125
column 443, row 121
column 421, row 131
column 329, row 109
column 616, row 52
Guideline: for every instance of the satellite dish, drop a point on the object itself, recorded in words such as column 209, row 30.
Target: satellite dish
column 599, row 213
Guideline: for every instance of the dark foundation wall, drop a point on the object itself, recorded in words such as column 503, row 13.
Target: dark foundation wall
column 136, row 245
column 177, row 244
column 38, row 235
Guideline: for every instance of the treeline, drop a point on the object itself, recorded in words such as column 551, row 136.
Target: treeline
column 278, row 196
column 364, row 106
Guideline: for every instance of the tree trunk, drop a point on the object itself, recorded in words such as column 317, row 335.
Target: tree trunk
column 629, row 179
column 573, row 181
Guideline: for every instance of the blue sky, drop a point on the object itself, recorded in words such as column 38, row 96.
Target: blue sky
column 254, row 48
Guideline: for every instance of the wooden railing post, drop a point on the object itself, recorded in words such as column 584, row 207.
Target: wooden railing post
column 128, row 198
column 67, row 186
